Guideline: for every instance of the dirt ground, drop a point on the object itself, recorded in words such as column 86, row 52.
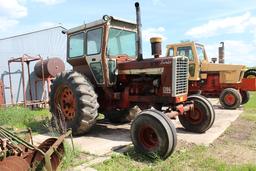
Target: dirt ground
column 238, row 144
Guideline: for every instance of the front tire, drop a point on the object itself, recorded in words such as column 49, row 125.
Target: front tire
column 201, row 117
column 230, row 98
column 73, row 100
column 153, row 134
column 245, row 96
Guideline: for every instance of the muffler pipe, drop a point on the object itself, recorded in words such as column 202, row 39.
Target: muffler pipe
column 221, row 53
column 139, row 37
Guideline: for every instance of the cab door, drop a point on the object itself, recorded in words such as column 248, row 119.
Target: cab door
column 93, row 46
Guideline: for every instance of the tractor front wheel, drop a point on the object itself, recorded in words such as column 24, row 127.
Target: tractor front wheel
column 230, row 98
column 245, row 96
column 73, row 102
column 201, row 117
column 153, row 134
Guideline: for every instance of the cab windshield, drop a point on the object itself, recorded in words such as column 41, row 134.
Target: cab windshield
column 121, row 42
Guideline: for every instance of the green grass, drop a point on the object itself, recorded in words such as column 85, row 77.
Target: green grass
column 251, row 105
column 70, row 156
column 188, row 158
column 250, row 108
column 20, row 118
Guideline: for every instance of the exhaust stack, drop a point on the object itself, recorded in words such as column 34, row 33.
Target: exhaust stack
column 138, row 41
column 221, row 53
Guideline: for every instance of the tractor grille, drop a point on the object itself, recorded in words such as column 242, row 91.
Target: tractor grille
column 180, row 76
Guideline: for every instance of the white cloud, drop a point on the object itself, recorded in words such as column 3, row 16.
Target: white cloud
column 47, row 24
column 236, row 52
column 10, row 12
column 12, row 9
column 49, row 2
column 6, row 23
column 236, row 24
column 153, row 32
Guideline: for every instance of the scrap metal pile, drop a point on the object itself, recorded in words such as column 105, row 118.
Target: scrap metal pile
column 17, row 154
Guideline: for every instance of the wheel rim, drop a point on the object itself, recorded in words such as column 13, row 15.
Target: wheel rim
column 65, row 99
column 196, row 115
column 148, row 137
column 229, row 99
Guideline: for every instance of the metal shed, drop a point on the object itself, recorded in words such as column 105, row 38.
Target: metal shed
column 46, row 43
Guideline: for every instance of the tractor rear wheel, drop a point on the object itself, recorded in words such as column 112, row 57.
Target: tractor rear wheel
column 230, row 98
column 245, row 96
column 74, row 102
column 201, row 118
column 250, row 73
column 153, row 134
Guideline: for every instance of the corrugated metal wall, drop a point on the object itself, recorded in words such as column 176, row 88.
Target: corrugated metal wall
column 47, row 43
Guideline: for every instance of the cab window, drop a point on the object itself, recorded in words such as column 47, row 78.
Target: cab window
column 171, row 52
column 94, row 38
column 200, row 53
column 76, row 45
column 186, row 51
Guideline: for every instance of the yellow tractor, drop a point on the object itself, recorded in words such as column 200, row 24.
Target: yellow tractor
column 230, row 83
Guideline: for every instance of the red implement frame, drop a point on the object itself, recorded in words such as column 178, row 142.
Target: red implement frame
column 26, row 59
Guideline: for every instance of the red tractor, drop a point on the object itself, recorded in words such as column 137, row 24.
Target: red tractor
column 110, row 76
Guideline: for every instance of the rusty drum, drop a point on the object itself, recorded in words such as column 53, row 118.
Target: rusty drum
column 51, row 66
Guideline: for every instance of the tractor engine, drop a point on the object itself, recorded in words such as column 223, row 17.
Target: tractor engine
column 144, row 86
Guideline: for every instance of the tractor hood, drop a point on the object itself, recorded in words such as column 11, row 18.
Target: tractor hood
column 222, row 67
column 228, row 73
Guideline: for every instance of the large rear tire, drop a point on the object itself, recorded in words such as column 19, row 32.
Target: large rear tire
column 230, row 98
column 250, row 73
column 153, row 134
column 201, row 118
column 73, row 99
column 245, row 96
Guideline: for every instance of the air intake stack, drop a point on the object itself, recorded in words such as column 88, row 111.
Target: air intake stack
column 156, row 46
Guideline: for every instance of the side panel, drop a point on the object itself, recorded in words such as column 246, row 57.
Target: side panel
column 248, row 84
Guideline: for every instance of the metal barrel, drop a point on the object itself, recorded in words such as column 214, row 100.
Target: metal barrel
column 51, row 66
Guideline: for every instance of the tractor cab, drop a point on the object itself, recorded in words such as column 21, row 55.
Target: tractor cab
column 199, row 65
column 194, row 51
column 95, row 48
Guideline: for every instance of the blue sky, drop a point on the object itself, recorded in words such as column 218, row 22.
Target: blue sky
column 205, row 21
